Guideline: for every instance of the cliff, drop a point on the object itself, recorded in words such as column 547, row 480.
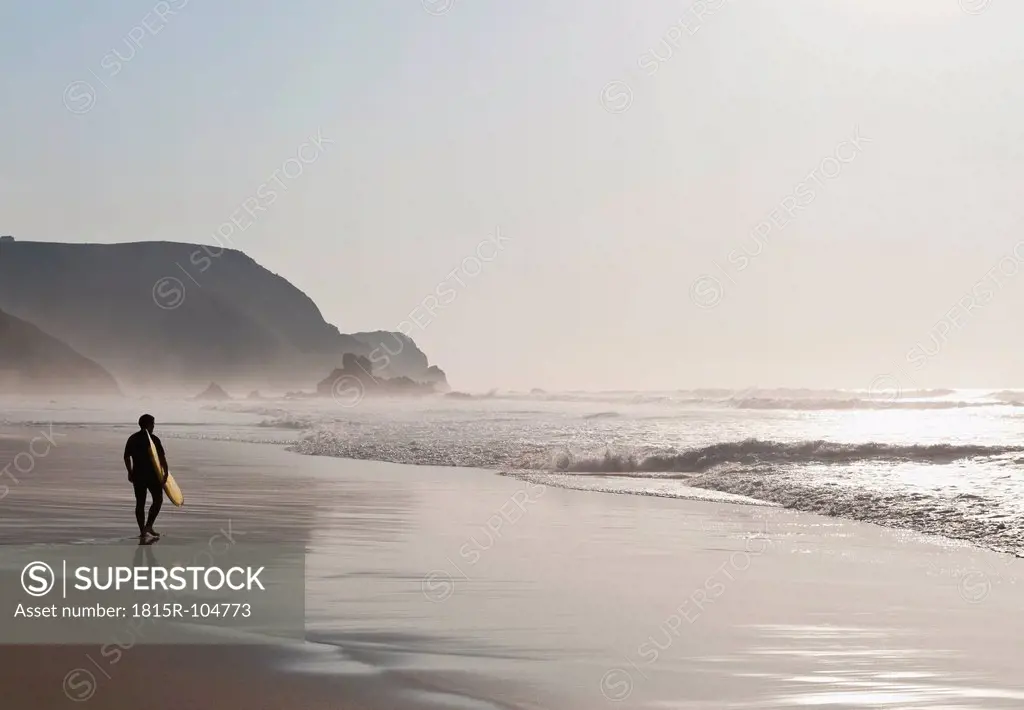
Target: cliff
column 32, row 362
column 161, row 313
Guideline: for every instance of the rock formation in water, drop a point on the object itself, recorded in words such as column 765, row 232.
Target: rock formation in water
column 32, row 362
column 356, row 379
column 213, row 393
column 396, row 355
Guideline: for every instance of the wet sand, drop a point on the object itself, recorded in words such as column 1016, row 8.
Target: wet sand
column 172, row 678
column 438, row 587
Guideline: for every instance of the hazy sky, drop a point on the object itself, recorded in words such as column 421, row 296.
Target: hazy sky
column 626, row 206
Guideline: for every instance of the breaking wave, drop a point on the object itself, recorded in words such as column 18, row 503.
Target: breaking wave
column 834, row 404
column 1008, row 396
column 775, row 398
column 289, row 422
column 754, row 452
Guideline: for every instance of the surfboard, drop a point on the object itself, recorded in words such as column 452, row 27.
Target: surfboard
column 170, row 486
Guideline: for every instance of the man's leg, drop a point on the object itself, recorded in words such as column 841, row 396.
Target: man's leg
column 157, row 491
column 140, row 505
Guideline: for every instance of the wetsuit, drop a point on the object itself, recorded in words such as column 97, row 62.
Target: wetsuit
column 145, row 478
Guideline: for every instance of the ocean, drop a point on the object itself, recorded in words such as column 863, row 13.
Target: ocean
column 941, row 462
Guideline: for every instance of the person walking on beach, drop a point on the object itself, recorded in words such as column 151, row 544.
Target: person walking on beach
column 144, row 476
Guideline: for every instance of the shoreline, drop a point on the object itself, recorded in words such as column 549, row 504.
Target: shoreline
column 688, row 493
column 880, row 475
column 489, row 592
column 680, row 489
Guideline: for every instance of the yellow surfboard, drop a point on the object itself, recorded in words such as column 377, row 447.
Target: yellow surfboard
column 170, row 486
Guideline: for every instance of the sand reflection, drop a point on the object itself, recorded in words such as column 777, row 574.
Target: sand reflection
column 871, row 668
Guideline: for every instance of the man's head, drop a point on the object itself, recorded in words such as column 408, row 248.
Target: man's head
column 147, row 422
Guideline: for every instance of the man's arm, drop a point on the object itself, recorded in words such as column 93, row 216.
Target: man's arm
column 128, row 459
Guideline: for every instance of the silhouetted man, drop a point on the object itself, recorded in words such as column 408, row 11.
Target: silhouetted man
column 144, row 476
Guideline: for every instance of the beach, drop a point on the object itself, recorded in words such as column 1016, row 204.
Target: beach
column 436, row 587
column 533, row 356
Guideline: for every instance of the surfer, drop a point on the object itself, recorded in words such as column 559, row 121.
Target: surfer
column 144, row 476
